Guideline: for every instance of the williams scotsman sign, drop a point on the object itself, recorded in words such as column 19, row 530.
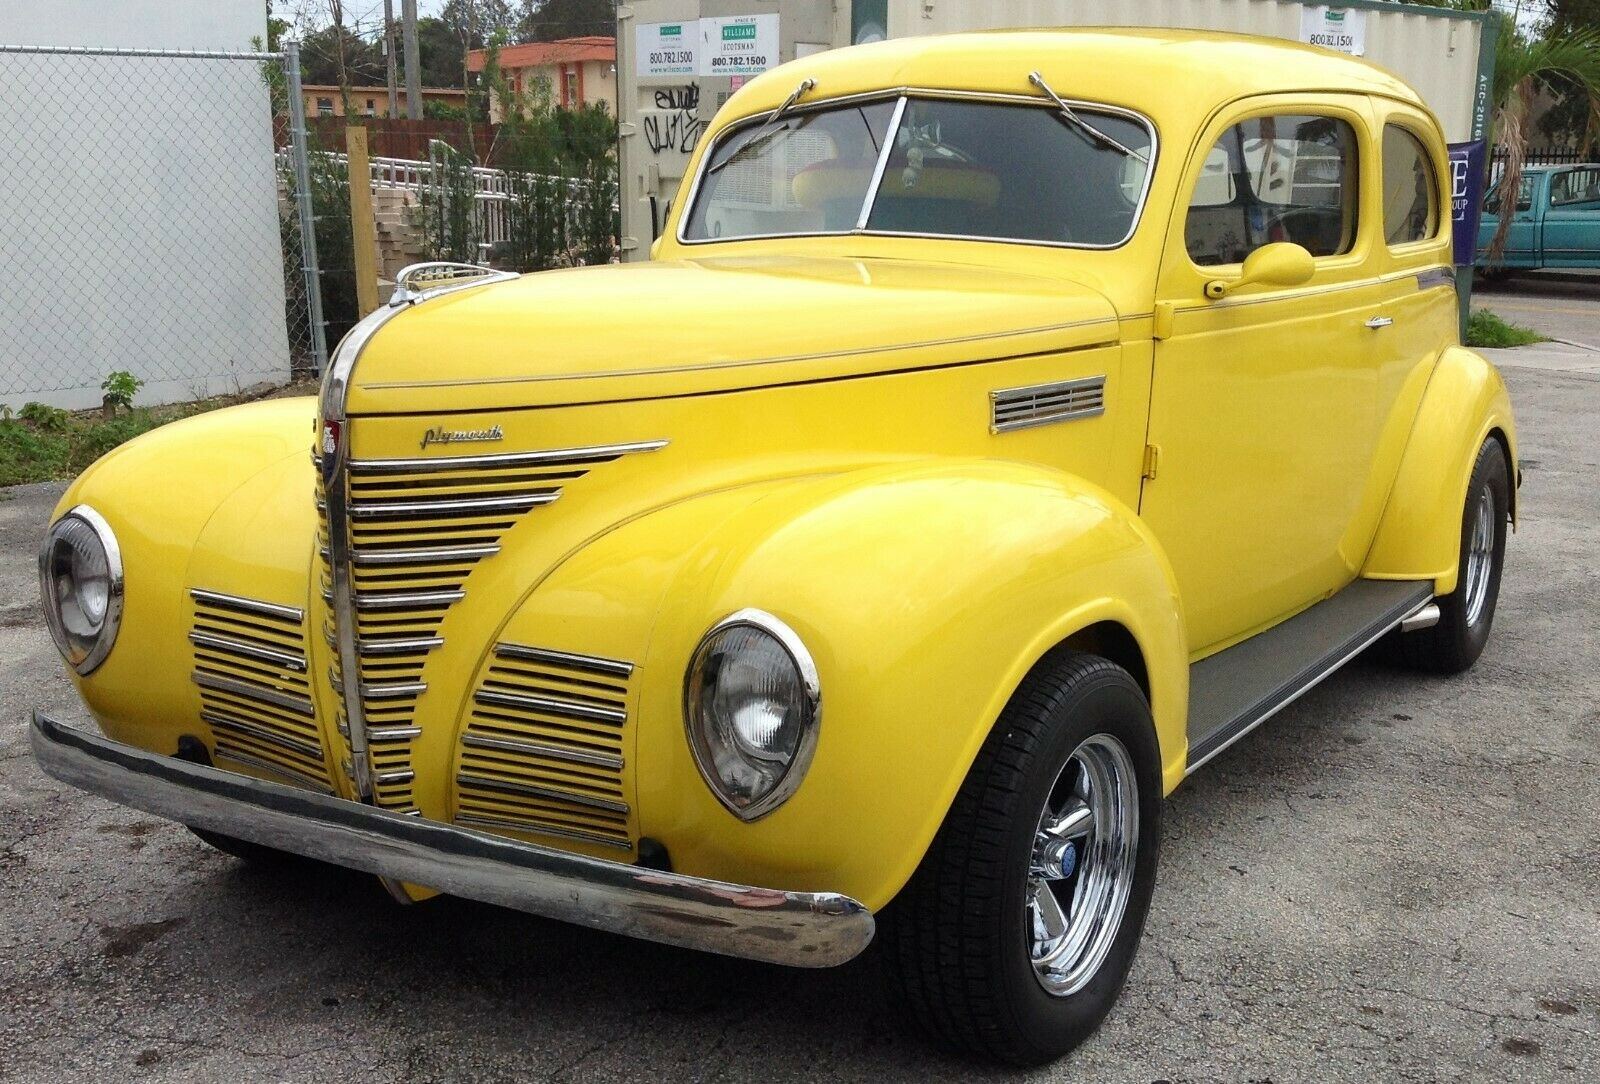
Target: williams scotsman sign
column 1343, row 29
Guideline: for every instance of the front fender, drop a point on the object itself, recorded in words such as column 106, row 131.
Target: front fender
column 159, row 493
column 1419, row 536
column 925, row 593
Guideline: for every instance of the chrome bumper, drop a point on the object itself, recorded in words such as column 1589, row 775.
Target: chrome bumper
column 801, row 929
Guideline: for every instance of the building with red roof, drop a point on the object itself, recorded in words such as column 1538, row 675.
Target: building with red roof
column 577, row 71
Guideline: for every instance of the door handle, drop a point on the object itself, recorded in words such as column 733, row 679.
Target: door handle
column 1380, row 321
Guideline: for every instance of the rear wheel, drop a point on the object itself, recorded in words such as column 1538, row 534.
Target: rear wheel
column 1015, row 934
column 1466, row 614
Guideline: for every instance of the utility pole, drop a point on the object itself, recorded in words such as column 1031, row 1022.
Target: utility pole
column 408, row 15
column 388, row 58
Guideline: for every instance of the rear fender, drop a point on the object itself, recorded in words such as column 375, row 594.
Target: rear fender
column 1419, row 536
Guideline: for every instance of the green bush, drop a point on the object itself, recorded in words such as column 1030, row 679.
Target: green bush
column 1485, row 329
column 30, row 455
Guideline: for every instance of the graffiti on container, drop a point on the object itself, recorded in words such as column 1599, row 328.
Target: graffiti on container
column 675, row 124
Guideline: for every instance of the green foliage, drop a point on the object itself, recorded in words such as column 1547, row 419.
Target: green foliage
column 120, row 388
column 30, row 455
column 437, row 110
column 1485, row 329
column 48, row 418
column 553, row 19
column 449, row 212
column 330, row 210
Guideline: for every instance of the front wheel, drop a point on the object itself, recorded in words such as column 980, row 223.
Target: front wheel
column 1014, row 936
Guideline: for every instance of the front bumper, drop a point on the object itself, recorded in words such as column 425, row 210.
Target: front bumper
column 801, row 929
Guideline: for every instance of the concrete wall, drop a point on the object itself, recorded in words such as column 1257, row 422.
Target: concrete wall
column 138, row 204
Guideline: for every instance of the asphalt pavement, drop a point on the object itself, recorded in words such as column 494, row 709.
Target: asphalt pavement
column 1396, row 879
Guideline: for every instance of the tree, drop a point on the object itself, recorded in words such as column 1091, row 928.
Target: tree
column 1566, row 65
column 1567, row 120
column 549, row 20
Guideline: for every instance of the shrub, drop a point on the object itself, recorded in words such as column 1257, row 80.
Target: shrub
column 1485, row 329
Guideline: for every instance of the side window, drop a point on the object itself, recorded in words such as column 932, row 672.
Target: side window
column 1281, row 178
column 1410, row 198
column 1575, row 186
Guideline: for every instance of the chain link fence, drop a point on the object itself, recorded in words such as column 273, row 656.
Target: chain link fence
column 148, row 227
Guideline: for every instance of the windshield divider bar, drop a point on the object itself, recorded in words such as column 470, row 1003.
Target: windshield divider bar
column 882, row 164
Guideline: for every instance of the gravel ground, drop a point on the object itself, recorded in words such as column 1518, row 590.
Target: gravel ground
column 1397, row 879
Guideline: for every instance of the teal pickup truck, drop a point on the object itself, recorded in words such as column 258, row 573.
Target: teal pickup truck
column 1556, row 223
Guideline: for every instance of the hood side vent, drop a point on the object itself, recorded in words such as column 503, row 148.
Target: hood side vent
column 1045, row 404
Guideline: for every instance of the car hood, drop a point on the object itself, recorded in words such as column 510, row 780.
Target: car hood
column 686, row 327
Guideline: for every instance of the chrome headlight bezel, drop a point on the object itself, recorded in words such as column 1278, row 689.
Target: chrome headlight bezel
column 810, row 686
column 84, row 652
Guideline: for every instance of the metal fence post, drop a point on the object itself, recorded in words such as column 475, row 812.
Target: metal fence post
column 308, row 224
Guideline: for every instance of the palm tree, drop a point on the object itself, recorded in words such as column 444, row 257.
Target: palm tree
column 1564, row 65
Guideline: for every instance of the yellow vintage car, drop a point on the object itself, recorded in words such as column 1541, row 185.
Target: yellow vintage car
column 1004, row 425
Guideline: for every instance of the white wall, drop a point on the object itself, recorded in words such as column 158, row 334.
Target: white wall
column 138, row 204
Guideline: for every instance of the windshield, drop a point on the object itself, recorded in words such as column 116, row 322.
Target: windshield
column 951, row 168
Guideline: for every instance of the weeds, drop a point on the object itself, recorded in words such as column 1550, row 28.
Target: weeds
column 1485, row 329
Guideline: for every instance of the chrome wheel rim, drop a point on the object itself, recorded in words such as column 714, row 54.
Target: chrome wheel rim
column 1082, row 869
column 1480, row 555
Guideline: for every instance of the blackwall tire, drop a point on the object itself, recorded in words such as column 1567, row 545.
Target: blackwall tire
column 964, row 951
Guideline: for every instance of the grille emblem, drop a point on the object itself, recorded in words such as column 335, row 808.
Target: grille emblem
column 439, row 435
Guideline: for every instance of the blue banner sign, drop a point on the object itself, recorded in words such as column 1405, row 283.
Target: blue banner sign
column 1467, row 179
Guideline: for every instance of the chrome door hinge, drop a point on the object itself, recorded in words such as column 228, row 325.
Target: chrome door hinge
column 1152, row 458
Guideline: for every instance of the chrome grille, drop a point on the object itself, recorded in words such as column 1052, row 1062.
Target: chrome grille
column 1042, row 404
column 255, row 693
column 542, row 752
column 418, row 527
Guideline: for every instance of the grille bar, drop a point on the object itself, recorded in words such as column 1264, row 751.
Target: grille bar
column 241, row 648
column 540, row 749
column 450, row 508
column 550, row 705
column 438, row 555
column 251, row 691
column 535, row 791
column 248, row 605
column 591, row 663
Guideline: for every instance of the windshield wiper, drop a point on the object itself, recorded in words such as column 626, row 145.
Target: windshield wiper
column 767, row 130
column 1094, row 134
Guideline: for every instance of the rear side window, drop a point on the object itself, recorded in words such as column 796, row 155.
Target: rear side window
column 1280, row 178
column 1574, row 187
column 1410, row 198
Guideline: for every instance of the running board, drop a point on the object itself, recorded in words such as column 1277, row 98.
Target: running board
column 1236, row 690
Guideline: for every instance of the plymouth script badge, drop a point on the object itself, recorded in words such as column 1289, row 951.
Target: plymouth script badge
column 439, row 435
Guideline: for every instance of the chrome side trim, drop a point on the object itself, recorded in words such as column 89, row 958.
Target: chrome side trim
column 1043, row 404
column 803, row 929
column 571, row 709
column 297, row 704
column 482, row 821
column 245, row 650
column 1436, row 276
column 247, row 605
column 600, row 453
column 570, row 660
column 540, row 749
column 483, row 782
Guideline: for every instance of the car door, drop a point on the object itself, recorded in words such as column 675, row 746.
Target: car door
column 1522, row 238
column 1570, row 232
column 1262, row 415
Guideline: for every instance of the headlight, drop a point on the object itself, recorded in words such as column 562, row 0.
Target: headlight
column 752, row 704
column 80, row 577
